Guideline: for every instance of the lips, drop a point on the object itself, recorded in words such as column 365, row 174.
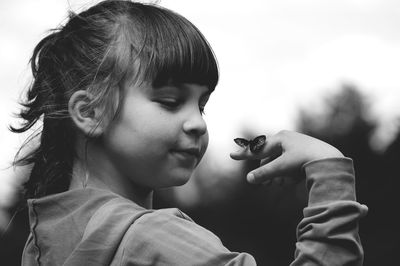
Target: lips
column 188, row 153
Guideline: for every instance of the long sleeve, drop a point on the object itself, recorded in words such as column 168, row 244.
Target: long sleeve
column 328, row 233
column 169, row 237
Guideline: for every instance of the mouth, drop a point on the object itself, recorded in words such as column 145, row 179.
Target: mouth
column 188, row 153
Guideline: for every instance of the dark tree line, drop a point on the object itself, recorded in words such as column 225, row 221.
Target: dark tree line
column 347, row 125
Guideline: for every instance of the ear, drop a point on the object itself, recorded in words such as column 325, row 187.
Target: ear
column 85, row 118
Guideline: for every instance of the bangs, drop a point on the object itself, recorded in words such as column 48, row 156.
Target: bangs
column 173, row 50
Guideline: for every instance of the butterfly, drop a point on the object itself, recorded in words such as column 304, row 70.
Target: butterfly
column 255, row 144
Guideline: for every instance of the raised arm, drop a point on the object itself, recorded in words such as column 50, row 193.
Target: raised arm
column 328, row 233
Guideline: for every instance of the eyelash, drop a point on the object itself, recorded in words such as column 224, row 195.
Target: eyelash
column 201, row 108
column 173, row 104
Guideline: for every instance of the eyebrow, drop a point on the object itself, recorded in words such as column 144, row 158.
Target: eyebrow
column 206, row 93
column 183, row 87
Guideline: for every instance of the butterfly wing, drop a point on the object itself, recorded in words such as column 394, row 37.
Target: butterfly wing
column 257, row 143
column 241, row 142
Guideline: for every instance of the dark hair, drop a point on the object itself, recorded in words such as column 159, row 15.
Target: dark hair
column 99, row 50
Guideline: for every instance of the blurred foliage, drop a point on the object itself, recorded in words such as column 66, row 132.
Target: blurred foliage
column 347, row 125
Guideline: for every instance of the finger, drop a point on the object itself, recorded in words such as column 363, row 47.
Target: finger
column 241, row 154
column 268, row 171
column 267, row 160
column 246, row 153
column 272, row 147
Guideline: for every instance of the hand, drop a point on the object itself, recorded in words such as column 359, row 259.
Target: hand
column 284, row 154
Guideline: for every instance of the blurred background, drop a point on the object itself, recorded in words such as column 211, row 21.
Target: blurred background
column 325, row 68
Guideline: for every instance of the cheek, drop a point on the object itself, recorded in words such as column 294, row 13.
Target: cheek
column 204, row 143
column 206, row 140
column 157, row 131
column 149, row 132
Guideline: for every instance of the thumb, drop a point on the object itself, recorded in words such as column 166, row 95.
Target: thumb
column 268, row 171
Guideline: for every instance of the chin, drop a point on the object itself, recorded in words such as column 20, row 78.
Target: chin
column 182, row 182
column 179, row 179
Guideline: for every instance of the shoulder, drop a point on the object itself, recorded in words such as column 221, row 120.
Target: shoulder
column 170, row 237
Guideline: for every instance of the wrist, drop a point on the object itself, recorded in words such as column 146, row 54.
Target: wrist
column 325, row 153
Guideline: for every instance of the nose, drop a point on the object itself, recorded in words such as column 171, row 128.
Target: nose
column 195, row 124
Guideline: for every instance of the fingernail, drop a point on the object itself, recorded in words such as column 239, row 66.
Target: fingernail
column 250, row 178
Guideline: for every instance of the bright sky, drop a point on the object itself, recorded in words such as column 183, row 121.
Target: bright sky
column 274, row 57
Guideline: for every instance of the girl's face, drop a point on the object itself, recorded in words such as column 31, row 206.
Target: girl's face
column 160, row 135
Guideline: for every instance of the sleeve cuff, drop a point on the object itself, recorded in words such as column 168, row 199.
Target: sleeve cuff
column 330, row 179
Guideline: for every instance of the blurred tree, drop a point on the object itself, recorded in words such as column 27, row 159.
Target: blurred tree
column 345, row 123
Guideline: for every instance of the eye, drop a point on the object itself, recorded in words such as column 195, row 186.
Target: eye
column 170, row 103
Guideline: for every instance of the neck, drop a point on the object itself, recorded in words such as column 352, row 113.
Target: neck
column 98, row 172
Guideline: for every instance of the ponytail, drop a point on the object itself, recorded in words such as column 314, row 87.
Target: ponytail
column 46, row 101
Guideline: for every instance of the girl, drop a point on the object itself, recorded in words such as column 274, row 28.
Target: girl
column 120, row 90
